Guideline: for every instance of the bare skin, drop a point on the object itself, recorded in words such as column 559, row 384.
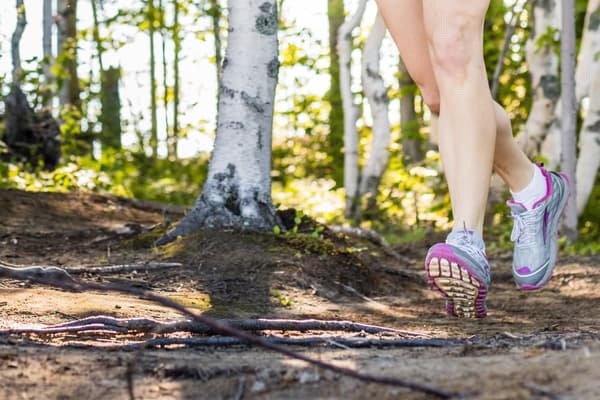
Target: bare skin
column 441, row 44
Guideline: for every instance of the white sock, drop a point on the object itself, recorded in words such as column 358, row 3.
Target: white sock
column 533, row 192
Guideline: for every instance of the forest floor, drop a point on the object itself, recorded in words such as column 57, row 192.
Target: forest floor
column 543, row 344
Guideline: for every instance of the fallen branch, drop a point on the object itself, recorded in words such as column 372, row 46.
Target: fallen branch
column 97, row 269
column 329, row 341
column 115, row 269
column 59, row 278
column 145, row 325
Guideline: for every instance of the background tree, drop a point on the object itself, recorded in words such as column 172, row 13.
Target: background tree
column 569, row 116
column 237, row 191
column 335, row 15
column 66, row 21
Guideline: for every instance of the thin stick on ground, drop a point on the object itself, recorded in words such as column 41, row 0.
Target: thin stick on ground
column 59, row 278
column 106, row 269
column 145, row 325
column 328, row 341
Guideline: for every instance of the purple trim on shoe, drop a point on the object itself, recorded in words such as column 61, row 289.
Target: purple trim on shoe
column 548, row 187
column 444, row 251
column 545, row 224
column 533, row 287
column 524, row 270
column 516, row 203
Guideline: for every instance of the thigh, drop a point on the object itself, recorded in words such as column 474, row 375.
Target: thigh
column 404, row 20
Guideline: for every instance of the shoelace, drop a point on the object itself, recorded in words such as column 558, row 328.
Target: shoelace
column 523, row 232
column 465, row 242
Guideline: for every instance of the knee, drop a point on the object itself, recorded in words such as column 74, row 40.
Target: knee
column 431, row 97
column 453, row 46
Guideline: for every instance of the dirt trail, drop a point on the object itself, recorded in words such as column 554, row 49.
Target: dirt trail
column 542, row 345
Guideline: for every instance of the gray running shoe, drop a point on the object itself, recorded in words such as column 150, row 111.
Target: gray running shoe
column 535, row 233
column 459, row 270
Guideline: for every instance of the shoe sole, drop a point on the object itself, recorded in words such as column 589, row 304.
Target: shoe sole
column 553, row 250
column 454, row 279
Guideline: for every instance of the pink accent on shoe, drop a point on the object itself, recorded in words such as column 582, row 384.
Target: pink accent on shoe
column 513, row 202
column 532, row 287
column 545, row 224
column 524, row 270
column 444, row 251
column 548, row 187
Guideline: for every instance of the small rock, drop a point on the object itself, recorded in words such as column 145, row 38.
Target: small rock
column 258, row 386
column 308, row 376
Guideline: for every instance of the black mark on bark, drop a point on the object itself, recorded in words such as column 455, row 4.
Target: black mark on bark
column 227, row 92
column 273, row 68
column 551, row 86
column 253, row 103
column 235, row 125
column 266, row 23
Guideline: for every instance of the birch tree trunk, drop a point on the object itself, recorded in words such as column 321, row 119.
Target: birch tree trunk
column 153, row 102
column 587, row 78
column 376, row 93
column 588, row 62
column 543, row 67
column 176, row 53
column 237, row 191
column 351, row 111
column 589, row 147
column 569, row 116
column 47, row 22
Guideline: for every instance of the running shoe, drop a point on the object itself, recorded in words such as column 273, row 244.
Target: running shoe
column 459, row 270
column 535, row 233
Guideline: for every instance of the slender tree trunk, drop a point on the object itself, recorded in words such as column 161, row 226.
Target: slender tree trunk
column 588, row 60
column 587, row 78
column 589, row 147
column 335, row 144
column 111, row 109
column 153, row 102
column 215, row 13
column 163, row 45
column 351, row 111
column 47, row 23
column 412, row 142
column 67, row 47
column 110, row 100
column 543, row 67
column 587, row 64
column 510, row 31
column 237, row 191
column 569, row 116
column 176, row 53
column 376, row 93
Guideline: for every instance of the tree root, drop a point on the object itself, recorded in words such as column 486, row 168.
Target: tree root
column 60, row 278
column 148, row 325
column 329, row 341
column 19, row 270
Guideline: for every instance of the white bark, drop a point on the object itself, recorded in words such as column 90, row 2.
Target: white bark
column 351, row 111
column 16, row 43
column 543, row 67
column 569, row 114
column 588, row 62
column 61, row 39
column 376, row 93
column 47, row 45
column 237, row 191
column 589, row 146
